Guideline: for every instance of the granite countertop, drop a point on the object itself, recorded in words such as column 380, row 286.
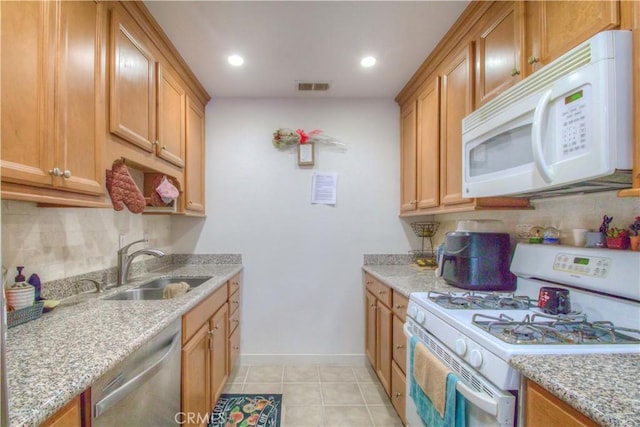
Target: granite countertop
column 52, row 359
column 408, row 278
column 604, row 387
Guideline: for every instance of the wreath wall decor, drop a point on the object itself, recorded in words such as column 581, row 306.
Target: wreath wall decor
column 284, row 138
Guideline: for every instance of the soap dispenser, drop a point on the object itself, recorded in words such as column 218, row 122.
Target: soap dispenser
column 20, row 280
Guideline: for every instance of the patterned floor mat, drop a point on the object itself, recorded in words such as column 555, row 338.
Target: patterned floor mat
column 247, row 410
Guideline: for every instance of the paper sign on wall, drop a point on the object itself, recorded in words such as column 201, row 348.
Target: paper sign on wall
column 324, row 188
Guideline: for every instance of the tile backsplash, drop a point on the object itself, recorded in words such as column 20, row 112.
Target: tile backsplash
column 62, row 242
column 564, row 213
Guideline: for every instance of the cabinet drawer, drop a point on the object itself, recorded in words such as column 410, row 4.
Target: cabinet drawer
column 202, row 312
column 398, row 390
column 234, row 321
column 399, row 344
column 234, row 302
column 381, row 292
column 234, row 348
column 400, row 303
column 234, row 285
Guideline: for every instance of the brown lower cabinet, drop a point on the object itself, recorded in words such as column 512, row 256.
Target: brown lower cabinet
column 385, row 343
column 544, row 409
column 210, row 345
column 76, row 413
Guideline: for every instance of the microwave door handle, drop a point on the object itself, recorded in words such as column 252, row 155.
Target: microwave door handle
column 539, row 116
column 482, row 401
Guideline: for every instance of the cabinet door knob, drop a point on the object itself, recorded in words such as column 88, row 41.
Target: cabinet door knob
column 398, row 394
column 380, row 292
column 373, row 306
column 155, row 143
column 413, row 202
column 216, row 327
column 67, row 173
column 399, row 346
column 55, row 172
column 235, row 347
column 514, row 72
column 399, row 306
column 532, row 60
column 164, row 147
column 190, row 202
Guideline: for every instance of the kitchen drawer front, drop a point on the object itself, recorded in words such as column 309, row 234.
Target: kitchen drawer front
column 381, row 292
column 234, row 302
column 234, row 321
column 201, row 313
column 234, row 348
column 400, row 303
column 399, row 344
column 398, row 391
column 234, row 285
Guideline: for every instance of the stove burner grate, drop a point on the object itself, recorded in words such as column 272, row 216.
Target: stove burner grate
column 546, row 329
column 480, row 300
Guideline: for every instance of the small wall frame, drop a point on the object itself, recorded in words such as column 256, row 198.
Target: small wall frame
column 306, row 154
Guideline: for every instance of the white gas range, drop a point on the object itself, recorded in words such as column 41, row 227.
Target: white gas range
column 477, row 334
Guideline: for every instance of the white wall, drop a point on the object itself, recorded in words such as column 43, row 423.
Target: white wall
column 302, row 279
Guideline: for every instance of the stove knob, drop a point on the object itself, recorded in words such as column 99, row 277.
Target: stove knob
column 413, row 311
column 475, row 358
column 461, row 347
column 420, row 317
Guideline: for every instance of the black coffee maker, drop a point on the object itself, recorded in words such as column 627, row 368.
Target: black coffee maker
column 477, row 261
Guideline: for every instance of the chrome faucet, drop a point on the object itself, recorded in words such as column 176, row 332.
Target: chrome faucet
column 124, row 260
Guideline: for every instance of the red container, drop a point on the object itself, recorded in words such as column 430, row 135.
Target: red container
column 618, row 242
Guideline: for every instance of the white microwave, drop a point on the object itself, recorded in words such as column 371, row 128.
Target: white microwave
column 566, row 128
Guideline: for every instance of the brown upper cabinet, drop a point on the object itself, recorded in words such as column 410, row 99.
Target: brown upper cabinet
column 195, row 155
column 155, row 124
column 491, row 47
column 554, row 27
column 498, row 55
column 52, row 111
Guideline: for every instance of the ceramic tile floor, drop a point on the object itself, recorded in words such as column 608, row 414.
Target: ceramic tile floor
column 327, row 396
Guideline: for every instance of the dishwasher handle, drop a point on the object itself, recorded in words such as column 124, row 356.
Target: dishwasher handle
column 116, row 395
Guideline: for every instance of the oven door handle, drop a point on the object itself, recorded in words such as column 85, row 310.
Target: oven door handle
column 480, row 400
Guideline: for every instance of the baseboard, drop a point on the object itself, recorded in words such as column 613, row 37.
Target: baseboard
column 303, row 359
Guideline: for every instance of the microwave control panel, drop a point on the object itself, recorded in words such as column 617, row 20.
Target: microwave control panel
column 584, row 265
column 573, row 124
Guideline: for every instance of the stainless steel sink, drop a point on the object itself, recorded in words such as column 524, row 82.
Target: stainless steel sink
column 153, row 289
column 137, row 294
column 162, row 282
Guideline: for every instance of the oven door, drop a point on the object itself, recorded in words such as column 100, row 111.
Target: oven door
column 486, row 405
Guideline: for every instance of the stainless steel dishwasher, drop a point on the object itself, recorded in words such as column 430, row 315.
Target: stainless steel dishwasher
column 144, row 390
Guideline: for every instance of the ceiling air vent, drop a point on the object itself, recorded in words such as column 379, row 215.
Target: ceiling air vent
column 313, row 86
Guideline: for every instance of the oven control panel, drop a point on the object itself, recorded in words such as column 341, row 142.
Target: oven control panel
column 580, row 264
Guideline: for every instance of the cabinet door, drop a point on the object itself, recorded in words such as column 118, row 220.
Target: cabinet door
column 544, row 409
column 79, row 113
column 554, row 27
column 398, row 392
column 370, row 328
column 171, row 118
column 399, row 347
column 234, row 349
column 384, row 330
column 456, row 103
column 219, row 339
column 27, row 92
column 408, row 142
column 195, row 154
column 428, row 150
column 196, row 375
column 132, row 101
column 498, row 51
column 69, row 416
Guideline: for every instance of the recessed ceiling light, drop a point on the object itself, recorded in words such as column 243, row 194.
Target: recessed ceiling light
column 368, row 61
column 235, row 60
